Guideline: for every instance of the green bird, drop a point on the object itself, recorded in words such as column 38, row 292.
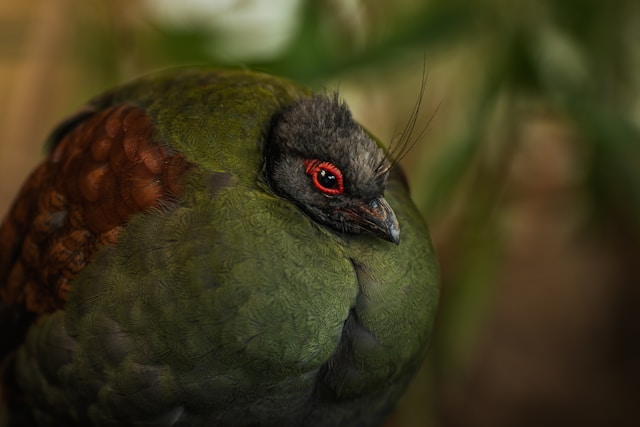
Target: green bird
column 213, row 248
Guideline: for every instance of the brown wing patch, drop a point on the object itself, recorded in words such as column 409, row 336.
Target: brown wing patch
column 99, row 174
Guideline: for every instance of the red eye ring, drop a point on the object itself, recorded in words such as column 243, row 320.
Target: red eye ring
column 326, row 176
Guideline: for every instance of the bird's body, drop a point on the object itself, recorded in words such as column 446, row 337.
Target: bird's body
column 184, row 258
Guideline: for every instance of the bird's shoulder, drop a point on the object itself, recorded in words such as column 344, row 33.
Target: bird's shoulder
column 103, row 167
column 127, row 152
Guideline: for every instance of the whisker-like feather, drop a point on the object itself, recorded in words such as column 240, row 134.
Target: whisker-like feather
column 401, row 144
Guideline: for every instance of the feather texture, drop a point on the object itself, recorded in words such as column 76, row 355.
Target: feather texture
column 154, row 271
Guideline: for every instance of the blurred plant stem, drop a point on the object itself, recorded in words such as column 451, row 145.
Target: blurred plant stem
column 30, row 95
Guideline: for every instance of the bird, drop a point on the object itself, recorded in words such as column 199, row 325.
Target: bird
column 213, row 247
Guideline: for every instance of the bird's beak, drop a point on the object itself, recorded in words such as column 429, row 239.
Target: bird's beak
column 377, row 217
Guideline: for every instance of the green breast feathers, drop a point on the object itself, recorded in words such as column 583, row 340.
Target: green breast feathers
column 213, row 248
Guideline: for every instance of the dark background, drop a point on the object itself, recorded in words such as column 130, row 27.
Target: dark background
column 528, row 173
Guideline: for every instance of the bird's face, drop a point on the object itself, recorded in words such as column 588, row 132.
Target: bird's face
column 318, row 157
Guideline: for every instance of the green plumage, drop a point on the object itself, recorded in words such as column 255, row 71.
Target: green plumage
column 233, row 306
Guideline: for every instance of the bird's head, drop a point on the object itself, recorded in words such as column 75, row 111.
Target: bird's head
column 318, row 157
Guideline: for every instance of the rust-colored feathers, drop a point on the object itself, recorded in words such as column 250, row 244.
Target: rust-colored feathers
column 103, row 171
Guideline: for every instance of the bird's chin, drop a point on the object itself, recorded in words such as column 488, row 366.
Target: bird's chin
column 375, row 216
column 344, row 225
column 358, row 221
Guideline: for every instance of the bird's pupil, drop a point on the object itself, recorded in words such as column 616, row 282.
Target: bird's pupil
column 327, row 179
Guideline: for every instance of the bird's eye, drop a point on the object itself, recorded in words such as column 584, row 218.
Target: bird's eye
column 326, row 177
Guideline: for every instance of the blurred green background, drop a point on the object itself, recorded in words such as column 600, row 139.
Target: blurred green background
column 528, row 172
